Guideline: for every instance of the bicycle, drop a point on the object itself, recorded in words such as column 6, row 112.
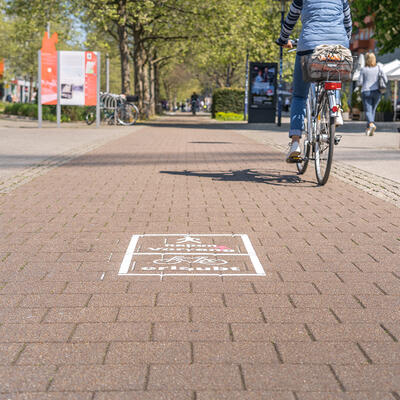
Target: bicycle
column 190, row 260
column 115, row 109
column 322, row 108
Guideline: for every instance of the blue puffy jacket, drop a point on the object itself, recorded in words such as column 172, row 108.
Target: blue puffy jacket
column 324, row 22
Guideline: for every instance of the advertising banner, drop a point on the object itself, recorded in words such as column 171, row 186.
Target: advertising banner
column 262, row 92
column 78, row 78
column 263, row 83
column 49, row 69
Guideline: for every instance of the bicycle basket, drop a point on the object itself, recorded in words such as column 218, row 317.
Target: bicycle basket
column 327, row 63
column 132, row 98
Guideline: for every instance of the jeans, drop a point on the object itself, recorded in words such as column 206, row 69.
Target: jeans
column 299, row 100
column 370, row 100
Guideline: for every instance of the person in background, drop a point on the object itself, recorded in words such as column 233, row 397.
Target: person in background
column 287, row 104
column 370, row 93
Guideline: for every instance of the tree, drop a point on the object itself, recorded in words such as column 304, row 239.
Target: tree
column 386, row 14
column 21, row 33
column 221, row 55
column 111, row 17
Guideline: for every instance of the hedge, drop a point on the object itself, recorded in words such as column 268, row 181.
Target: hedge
column 49, row 113
column 227, row 100
column 221, row 116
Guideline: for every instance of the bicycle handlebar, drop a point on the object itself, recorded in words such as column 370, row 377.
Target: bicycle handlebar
column 293, row 41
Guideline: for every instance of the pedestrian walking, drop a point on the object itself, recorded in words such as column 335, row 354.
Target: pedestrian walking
column 373, row 82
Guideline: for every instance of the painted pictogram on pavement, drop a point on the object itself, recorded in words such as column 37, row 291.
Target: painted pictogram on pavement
column 191, row 254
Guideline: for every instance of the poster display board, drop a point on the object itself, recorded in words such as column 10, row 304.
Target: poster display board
column 67, row 78
column 78, row 78
column 262, row 92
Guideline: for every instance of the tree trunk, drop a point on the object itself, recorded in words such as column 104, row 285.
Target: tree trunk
column 124, row 55
column 141, row 76
column 30, row 89
column 152, row 89
column 157, row 88
column 228, row 76
column 124, row 48
column 146, row 90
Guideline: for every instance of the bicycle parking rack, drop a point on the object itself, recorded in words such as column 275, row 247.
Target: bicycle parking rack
column 109, row 102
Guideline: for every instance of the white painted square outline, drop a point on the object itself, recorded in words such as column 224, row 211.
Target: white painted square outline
column 130, row 252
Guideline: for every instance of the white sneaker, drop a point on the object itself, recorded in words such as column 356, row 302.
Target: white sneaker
column 372, row 129
column 339, row 118
column 367, row 131
column 294, row 151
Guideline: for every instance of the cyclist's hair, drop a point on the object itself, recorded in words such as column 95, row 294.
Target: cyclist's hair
column 370, row 60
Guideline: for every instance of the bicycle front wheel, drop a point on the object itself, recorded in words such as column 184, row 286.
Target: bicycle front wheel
column 127, row 114
column 325, row 141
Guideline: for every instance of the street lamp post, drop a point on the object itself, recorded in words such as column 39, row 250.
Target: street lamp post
column 107, row 73
column 281, row 68
column 246, row 85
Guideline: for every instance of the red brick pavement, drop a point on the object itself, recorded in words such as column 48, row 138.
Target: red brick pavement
column 324, row 323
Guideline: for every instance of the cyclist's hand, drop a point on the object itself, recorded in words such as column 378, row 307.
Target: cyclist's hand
column 288, row 45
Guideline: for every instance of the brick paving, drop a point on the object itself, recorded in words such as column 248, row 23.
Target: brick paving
column 323, row 323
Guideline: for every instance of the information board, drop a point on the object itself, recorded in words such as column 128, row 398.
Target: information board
column 78, row 78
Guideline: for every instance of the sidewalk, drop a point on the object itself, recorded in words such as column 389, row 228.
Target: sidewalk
column 369, row 163
column 27, row 151
column 303, row 302
column 379, row 154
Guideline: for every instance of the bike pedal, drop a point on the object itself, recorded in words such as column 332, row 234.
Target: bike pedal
column 294, row 160
column 338, row 139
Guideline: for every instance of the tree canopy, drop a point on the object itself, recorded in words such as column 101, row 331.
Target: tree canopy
column 386, row 15
column 157, row 47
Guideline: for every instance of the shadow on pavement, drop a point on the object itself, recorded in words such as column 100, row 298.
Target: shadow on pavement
column 212, row 125
column 270, row 177
column 212, row 142
column 108, row 159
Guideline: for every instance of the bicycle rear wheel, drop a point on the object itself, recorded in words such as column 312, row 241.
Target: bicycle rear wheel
column 127, row 114
column 305, row 145
column 325, row 142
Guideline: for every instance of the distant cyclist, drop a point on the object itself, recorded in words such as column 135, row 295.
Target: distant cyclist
column 194, row 102
column 324, row 22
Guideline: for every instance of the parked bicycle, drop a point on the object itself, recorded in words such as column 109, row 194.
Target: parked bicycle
column 115, row 109
column 326, row 68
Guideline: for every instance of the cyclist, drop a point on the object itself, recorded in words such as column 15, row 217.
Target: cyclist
column 324, row 22
column 194, row 101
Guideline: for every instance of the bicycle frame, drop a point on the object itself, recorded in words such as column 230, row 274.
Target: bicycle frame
column 314, row 102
